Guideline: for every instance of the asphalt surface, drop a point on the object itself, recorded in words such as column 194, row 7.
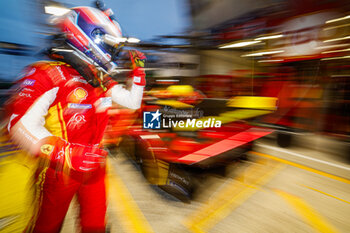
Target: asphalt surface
column 276, row 190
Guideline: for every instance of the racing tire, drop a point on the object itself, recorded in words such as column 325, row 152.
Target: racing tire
column 128, row 147
column 348, row 152
column 179, row 184
column 284, row 139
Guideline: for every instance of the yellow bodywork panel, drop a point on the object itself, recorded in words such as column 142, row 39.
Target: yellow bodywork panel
column 180, row 90
column 247, row 107
column 253, row 102
column 16, row 196
column 173, row 103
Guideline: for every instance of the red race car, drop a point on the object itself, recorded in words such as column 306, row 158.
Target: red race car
column 170, row 157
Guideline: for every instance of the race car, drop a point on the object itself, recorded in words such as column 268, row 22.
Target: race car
column 169, row 159
column 172, row 156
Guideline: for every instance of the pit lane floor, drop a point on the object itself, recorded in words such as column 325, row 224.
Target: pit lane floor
column 272, row 192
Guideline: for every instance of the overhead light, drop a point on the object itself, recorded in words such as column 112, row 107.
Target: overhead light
column 333, row 46
column 56, row 10
column 340, row 76
column 263, row 53
column 239, row 44
column 133, row 40
column 167, row 80
column 338, row 19
column 270, row 60
column 338, row 26
column 127, row 70
column 336, row 51
column 337, row 39
column 269, row 37
column 334, row 58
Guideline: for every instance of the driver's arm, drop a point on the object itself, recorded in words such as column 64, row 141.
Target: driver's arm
column 130, row 98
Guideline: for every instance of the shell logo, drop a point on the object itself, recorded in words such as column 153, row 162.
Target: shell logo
column 80, row 93
column 77, row 95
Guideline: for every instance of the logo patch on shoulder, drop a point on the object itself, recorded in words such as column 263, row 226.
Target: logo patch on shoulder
column 28, row 82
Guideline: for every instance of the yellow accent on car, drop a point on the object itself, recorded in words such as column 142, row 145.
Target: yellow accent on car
column 173, row 103
column 179, row 90
column 226, row 117
column 253, row 102
column 247, row 107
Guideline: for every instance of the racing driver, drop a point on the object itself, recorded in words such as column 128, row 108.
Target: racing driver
column 59, row 114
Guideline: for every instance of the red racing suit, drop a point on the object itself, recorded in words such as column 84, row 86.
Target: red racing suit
column 53, row 99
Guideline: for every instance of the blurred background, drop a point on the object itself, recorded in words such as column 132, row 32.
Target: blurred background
column 296, row 52
column 293, row 50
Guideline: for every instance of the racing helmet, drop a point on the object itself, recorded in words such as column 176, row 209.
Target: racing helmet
column 94, row 34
